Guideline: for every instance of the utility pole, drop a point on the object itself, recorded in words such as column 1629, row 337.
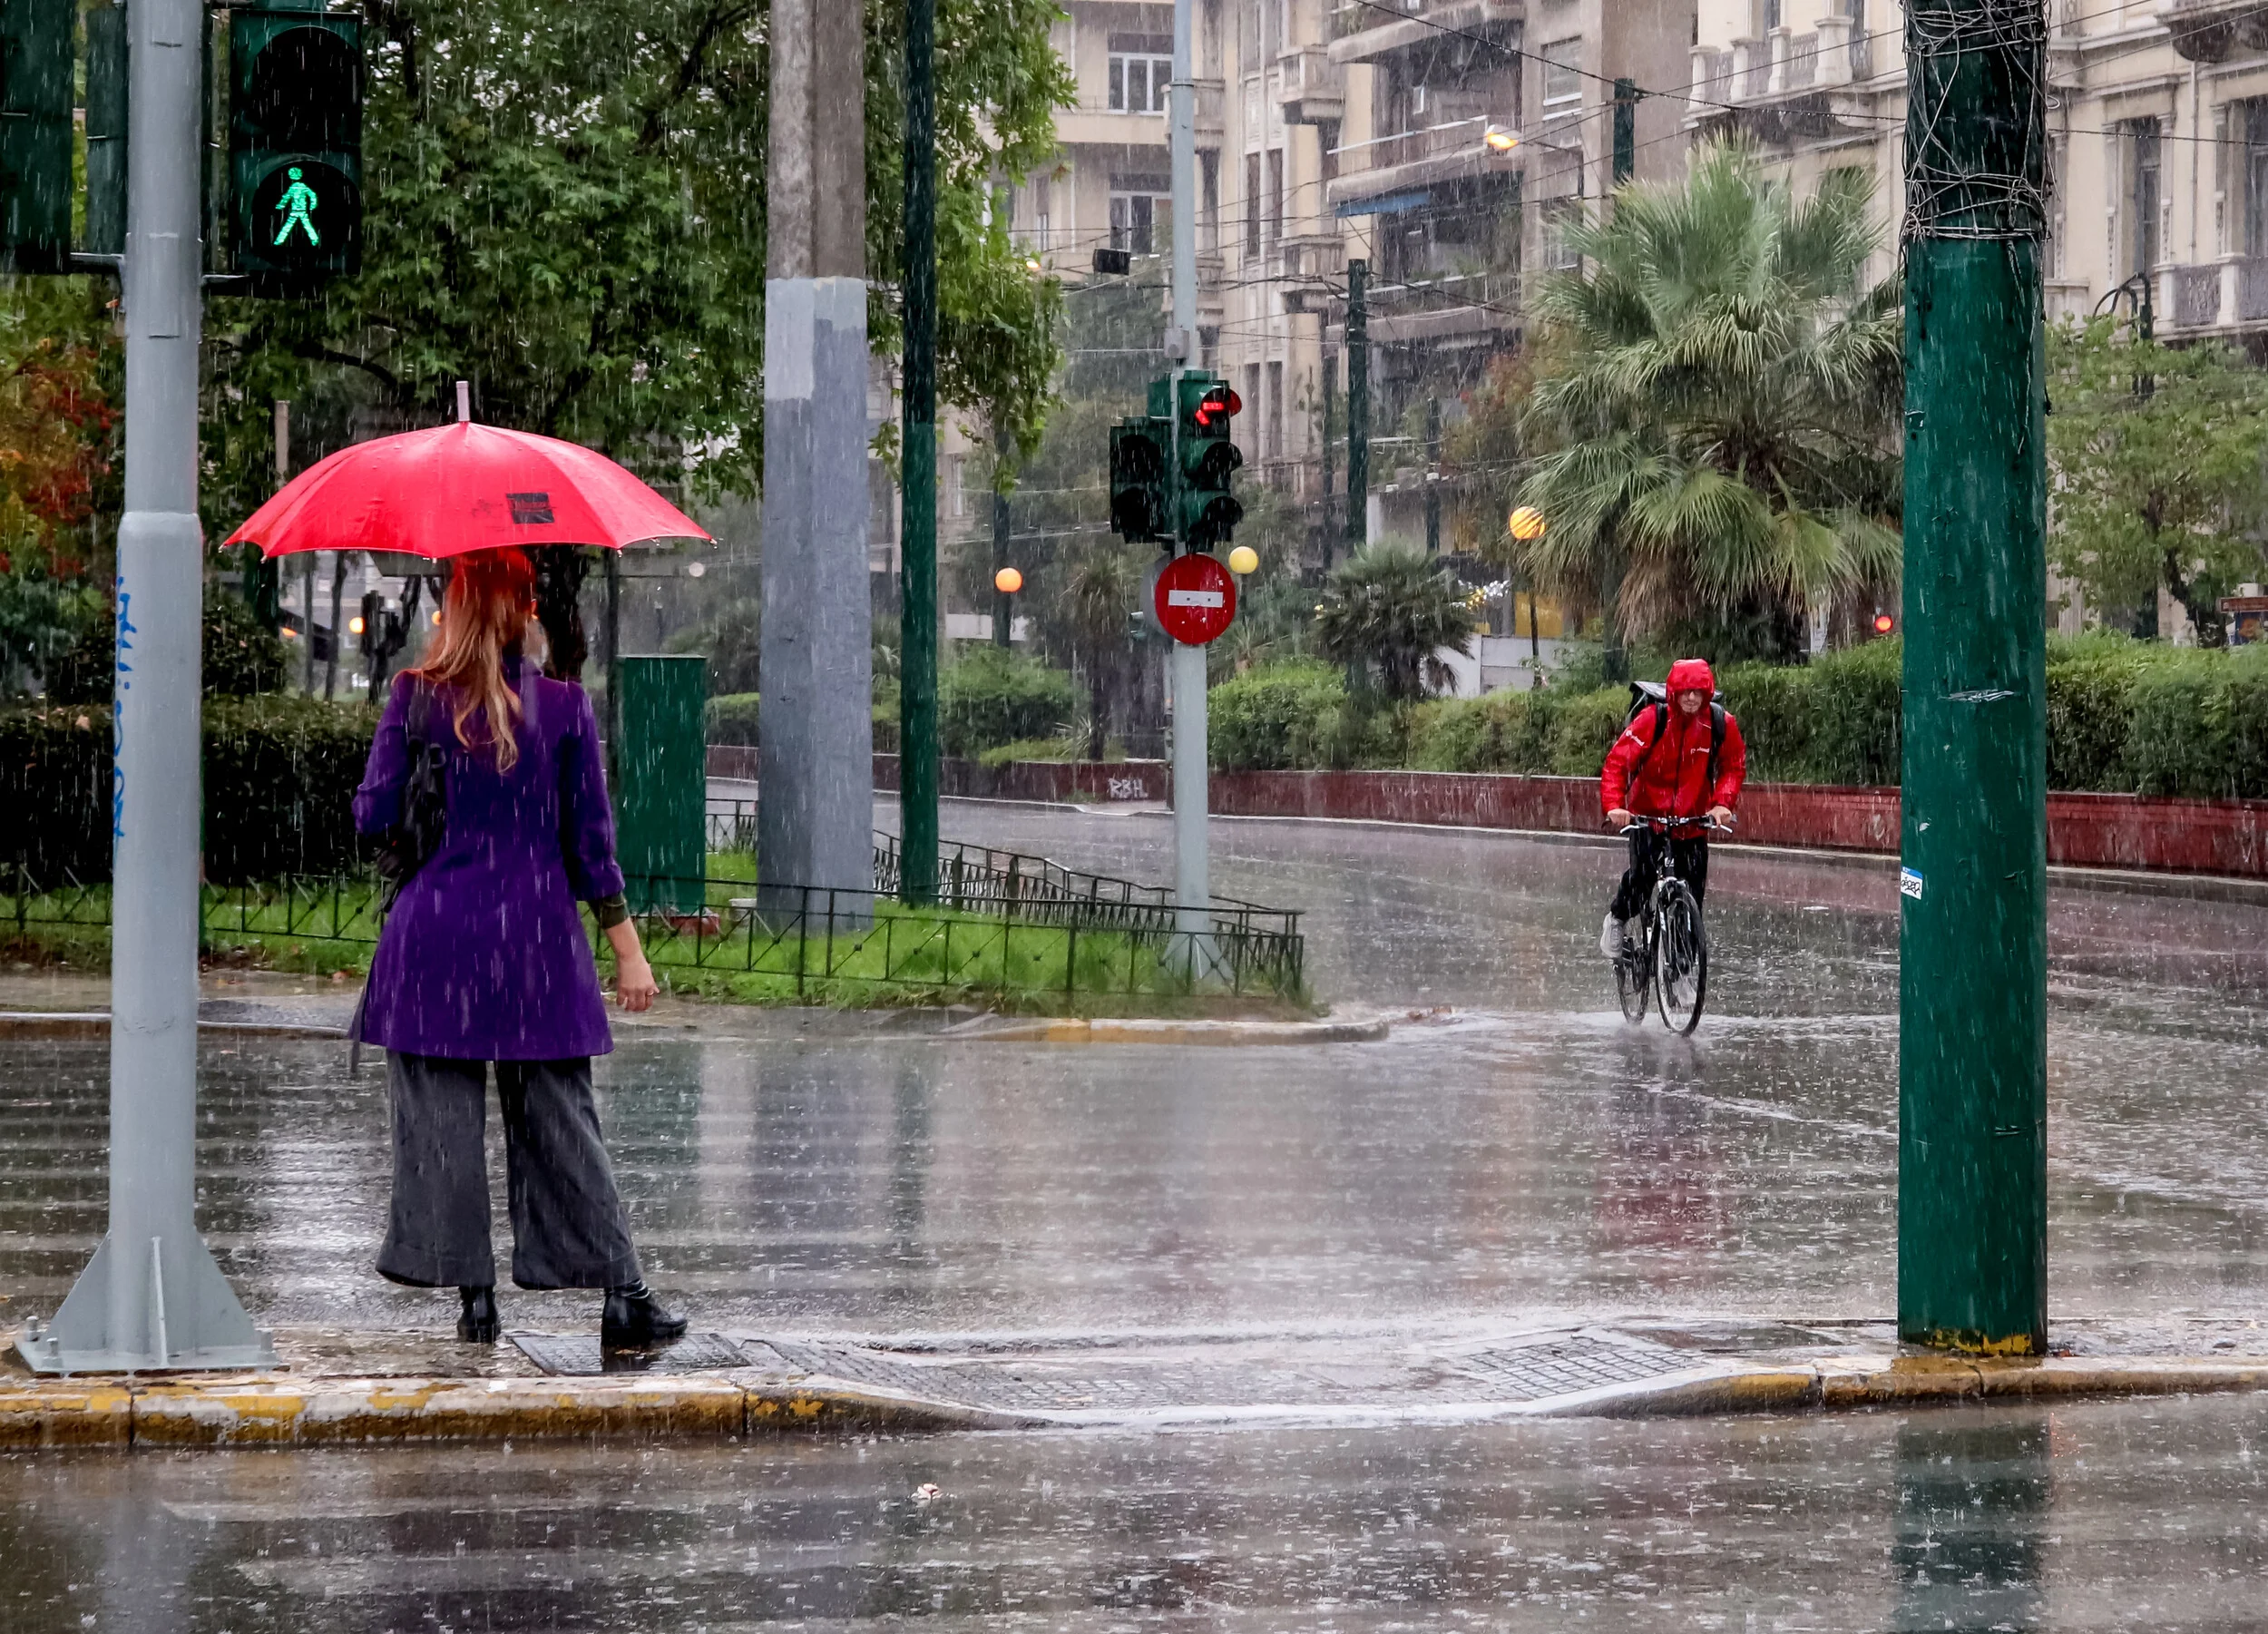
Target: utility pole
column 1330, row 430
column 1626, row 130
column 917, row 524
column 815, row 818
column 1433, row 476
column 1192, row 860
column 153, row 1297
column 1004, row 604
column 1357, row 404
column 1972, row 1212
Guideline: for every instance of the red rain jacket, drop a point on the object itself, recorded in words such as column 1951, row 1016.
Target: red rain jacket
column 1671, row 778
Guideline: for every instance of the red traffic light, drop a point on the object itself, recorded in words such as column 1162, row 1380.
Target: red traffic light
column 1221, row 403
column 1885, row 623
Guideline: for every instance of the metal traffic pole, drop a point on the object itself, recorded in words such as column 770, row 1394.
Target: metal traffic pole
column 917, row 530
column 1192, row 863
column 153, row 1297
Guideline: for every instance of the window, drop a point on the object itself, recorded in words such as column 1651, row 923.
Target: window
column 2144, row 176
column 1559, row 253
column 1562, row 79
column 1208, row 196
column 1139, row 205
column 1141, row 73
column 1275, row 194
column 1275, row 441
column 2256, row 115
column 1252, row 204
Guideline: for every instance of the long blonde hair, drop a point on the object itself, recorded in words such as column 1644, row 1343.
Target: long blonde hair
column 491, row 598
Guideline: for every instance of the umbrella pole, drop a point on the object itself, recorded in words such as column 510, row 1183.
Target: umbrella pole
column 613, row 660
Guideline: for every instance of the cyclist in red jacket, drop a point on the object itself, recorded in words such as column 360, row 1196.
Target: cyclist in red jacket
column 1683, row 758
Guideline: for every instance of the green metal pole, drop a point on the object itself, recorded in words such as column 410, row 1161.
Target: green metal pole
column 1004, row 604
column 1626, row 130
column 1330, row 431
column 1357, row 404
column 1972, row 1212
column 918, row 532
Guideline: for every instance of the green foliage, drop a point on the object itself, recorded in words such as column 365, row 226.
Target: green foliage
column 1583, row 727
column 1033, row 749
column 1715, row 424
column 280, row 774
column 1277, row 718
column 988, row 696
column 2162, row 488
column 728, row 638
column 42, row 619
column 2199, row 724
column 1393, row 608
column 565, row 205
column 1837, row 719
column 732, row 719
column 241, row 658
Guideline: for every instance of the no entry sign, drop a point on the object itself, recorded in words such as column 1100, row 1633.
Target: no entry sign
column 1194, row 598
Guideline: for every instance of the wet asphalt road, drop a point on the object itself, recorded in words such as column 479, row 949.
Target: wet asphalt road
column 1526, row 1154
column 2140, row 1515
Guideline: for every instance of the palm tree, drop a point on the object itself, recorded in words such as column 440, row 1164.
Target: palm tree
column 1717, row 402
column 1096, row 601
column 1393, row 607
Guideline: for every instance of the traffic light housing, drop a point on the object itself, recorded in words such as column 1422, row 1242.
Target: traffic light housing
column 1207, row 410
column 1138, row 479
column 37, row 58
column 295, row 148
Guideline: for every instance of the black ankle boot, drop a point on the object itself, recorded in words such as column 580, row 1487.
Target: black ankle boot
column 479, row 1324
column 635, row 1320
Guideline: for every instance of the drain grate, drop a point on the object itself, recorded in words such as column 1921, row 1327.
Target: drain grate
column 580, row 1355
column 1531, row 1373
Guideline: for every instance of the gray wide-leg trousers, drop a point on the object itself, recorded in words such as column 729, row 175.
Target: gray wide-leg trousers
column 569, row 1228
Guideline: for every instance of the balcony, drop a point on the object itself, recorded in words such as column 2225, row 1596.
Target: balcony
column 1307, row 270
column 1411, row 160
column 1467, row 308
column 1212, row 102
column 2212, row 31
column 1310, row 88
column 1363, row 33
column 1786, row 86
column 2225, row 295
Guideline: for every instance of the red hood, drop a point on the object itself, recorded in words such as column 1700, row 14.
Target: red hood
column 1692, row 675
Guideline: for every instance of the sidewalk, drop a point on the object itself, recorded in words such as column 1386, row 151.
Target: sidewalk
column 343, row 1388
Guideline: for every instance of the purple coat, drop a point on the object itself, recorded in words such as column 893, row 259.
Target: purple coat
column 485, row 957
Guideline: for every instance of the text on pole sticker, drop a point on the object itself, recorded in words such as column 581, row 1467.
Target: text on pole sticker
column 1196, row 598
column 1909, row 882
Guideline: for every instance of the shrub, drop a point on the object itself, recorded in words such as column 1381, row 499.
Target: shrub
column 2199, row 724
column 1773, row 705
column 1032, row 749
column 280, row 773
column 1583, row 728
column 1503, row 731
column 2090, row 712
column 732, row 718
column 241, row 658
column 1276, row 718
column 989, row 696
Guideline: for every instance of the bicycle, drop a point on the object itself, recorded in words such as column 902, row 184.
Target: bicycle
column 1666, row 950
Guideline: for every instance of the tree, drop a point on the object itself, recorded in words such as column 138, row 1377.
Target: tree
column 1100, row 588
column 1716, row 414
column 2160, row 457
column 1391, row 607
column 564, row 204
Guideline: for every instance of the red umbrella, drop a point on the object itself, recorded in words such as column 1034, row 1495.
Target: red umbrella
column 459, row 488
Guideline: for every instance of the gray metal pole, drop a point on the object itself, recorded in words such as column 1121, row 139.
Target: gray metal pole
column 152, row 1296
column 1192, row 861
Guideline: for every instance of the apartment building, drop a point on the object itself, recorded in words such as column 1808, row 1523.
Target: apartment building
column 2157, row 145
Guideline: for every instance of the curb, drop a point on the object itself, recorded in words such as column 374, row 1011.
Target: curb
column 96, row 1023
column 266, row 1411
column 1072, row 1029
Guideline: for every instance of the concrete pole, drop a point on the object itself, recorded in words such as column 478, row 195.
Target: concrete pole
column 1972, row 1059
column 814, row 822
column 1192, row 859
column 153, row 1297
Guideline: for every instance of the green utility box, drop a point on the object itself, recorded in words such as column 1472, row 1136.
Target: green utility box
column 661, row 792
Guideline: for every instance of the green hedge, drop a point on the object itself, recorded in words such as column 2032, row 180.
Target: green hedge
column 1275, row 719
column 289, row 767
column 989, row 696
column 732, row 719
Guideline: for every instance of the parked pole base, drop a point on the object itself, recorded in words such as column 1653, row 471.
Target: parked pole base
column 179, row 1315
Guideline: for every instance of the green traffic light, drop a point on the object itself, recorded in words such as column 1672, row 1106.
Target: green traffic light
column 299, row 202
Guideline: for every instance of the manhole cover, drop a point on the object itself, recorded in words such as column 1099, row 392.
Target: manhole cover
column 580, row 1355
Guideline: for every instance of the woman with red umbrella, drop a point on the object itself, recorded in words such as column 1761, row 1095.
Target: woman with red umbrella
column 487, row 779
column 483, row 960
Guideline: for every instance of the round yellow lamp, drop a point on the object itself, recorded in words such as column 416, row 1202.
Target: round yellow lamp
column 1244, row 560
column 1008, row 580
column 1527, row 524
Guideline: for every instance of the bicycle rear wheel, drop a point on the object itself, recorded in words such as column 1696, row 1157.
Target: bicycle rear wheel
column 1634, row 968
column 1681, row 957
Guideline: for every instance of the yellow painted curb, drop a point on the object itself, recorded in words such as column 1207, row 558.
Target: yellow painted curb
column 330, row 1412
column 1112, row 1031
column 91, row 1414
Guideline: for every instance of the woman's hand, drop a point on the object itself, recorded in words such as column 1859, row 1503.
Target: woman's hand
column 634, row 986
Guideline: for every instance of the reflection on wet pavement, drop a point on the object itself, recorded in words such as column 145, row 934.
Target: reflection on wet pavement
column 2117, row 1516
column 1528, row 1153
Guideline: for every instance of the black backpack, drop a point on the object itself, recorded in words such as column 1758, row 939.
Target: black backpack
column 1655, row 695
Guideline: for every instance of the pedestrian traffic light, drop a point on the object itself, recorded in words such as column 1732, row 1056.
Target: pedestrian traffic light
column 1209, row 513
column 1138, row 480
column 295, row 148
column 36, row 60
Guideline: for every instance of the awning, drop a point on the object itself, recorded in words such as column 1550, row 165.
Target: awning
column 1394, row 204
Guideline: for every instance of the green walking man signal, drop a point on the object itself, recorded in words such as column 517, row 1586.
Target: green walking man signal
column 1155, row 496
column 298, row 200
column 295, row 148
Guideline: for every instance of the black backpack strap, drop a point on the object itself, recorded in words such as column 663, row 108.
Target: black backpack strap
column 1717, row 741
column 1661, row 720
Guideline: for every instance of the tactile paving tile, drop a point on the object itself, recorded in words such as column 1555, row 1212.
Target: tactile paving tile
column 579, row 1355
column 1530, row 1373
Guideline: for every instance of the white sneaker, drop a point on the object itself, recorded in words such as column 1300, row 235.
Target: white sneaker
column 1610, row 937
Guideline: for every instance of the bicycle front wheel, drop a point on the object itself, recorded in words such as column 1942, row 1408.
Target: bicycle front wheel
column 1681, row 957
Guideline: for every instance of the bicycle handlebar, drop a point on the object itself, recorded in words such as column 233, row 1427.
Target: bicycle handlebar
column 1641, row 824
